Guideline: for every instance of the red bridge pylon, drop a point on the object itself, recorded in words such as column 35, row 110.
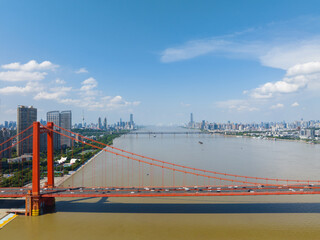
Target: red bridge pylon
column 35, row 204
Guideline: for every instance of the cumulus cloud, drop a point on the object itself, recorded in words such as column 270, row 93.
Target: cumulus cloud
column 30, row 66
column 305, row 68
column 93, row 99
column 81, row 70
column 293, row 52
column 117, row 102
column 30, row 87
column 53, row 94
column 295, row 104
column 86, row 96
column 277, row 106
column 298, row 77
column 89, row 84
column 30, row 71
column 102, row 103
column 18, row 76
column 270, row 88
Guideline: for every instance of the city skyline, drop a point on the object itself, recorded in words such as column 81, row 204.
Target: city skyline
column 161, row 63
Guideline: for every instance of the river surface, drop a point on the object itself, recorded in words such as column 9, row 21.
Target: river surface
column 249, row 217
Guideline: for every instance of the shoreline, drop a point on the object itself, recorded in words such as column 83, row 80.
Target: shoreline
column 265, row 138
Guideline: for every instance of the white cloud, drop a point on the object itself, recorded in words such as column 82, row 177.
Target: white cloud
column 270, row 88
column 89, row 84
column 87, row 96
column 49, row 95
column 239, row 105
column 18, row 76
column 30, row 66
column 88, row 87
column 292, row 46
column 118, row 102
column 277, row 106
column 295, row 104
column 103, row 103
column 297, row 78
column 70, row 101
column 305, row 68
column 293, row 52
column 192, row 49
column 275, row 45
column 60, row 81
column 53, row 94
column 81, row 70
column 31, row 87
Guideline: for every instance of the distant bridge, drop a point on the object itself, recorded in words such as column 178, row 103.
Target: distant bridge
column 161, row 133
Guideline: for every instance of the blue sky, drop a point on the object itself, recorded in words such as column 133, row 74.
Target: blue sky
column 242, row 61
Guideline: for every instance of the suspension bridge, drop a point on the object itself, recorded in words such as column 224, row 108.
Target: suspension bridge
column 120, row 173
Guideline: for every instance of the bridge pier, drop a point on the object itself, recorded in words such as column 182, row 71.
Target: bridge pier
column 35, row 204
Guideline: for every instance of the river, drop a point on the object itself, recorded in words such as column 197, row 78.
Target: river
column 250, row 217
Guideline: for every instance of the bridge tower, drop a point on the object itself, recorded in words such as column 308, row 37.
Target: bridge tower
column 35, row 204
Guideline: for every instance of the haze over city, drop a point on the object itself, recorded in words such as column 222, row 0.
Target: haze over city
column 221, row 61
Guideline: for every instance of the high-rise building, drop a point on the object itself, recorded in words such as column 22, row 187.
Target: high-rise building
column 99, row 123
column 66, row 123
column 191, row 123
column 203, row 125
column 64, row 120
column 131, row 121
column 54, row 116
column 4, row 136
column 105, row 124
column 25, row 118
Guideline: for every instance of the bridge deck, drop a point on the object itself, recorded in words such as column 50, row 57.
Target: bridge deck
column 168, row 191
column 160, row 133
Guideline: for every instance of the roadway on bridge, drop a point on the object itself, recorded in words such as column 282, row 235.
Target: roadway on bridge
column 165, row 191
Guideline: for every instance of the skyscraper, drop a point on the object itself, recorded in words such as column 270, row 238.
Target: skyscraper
column 25, row 118
column 64, row 120
column 54, row 116
column 99, row 123
column 66, row 123
column 105, row 124
column 191, row 123
column 131, row 121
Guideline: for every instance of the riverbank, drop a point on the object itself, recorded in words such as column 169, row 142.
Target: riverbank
column 265, row 138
